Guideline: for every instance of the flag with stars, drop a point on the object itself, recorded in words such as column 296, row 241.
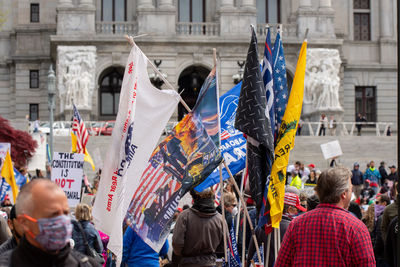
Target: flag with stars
column 252, row 120
column 280, row 84
column 268, row 80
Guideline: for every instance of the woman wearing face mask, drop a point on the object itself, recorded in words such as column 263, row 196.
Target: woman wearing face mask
column 230, row 204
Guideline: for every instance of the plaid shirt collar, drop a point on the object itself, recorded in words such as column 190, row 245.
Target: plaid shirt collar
column 330, row 206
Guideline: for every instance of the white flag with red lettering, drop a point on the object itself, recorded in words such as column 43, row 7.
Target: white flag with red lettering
column 143, row 113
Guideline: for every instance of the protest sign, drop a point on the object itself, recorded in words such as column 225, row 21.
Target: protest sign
column 67, row 172
column 4, row 147
column 331, row 149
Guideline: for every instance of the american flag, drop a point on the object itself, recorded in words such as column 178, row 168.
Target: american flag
column 268, row 80
column 280, row 84
column 156, row 186
column 79, row 129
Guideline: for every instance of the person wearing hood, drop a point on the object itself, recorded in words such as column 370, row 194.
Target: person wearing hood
column 198, row 233
column 357, row 180
column 373, row 175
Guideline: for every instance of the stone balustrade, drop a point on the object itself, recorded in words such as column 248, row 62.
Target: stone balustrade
column 197, row 28
column 288, row 30
column 116, row 27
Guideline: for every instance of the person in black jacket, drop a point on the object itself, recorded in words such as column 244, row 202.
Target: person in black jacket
column 383, row 172
column 291, row 207
column 391, row 256
column 357, row 180
column 393, row 173
column 16, row 231
column 83, row 217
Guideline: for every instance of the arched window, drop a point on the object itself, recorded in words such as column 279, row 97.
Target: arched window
column 192, row 10
column 113, row 10
column 268, row 11
column 110, row 88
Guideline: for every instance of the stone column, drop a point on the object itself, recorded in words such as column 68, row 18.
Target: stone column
column 385, row 21
column 227, row 3
column 325, row 4
column 65, row 3
column 166, row 3
column 304, row 3
column 86, row 3
column 249, row 3
column 145, row 4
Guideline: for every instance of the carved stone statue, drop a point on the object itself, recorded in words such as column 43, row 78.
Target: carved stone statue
column 322, row 80
column 76, row 66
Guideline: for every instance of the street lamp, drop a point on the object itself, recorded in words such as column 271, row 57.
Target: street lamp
column 239, row 76
column 51, row 90
column 155, row 78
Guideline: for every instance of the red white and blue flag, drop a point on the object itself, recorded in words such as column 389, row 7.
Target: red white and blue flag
column 79, row 129
column 268, row 80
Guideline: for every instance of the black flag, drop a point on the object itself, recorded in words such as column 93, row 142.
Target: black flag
column 252, row 120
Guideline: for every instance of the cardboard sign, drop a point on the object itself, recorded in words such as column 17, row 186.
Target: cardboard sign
column 331, row 149
column 67, row 172
column 4, row 147
column 38, row 161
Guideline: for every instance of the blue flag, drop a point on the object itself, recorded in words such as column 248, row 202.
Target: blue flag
column 280, row 84
column 4, row 188
column 233, row 144
column 233, row 253
column 19, row 178
column 268, row 80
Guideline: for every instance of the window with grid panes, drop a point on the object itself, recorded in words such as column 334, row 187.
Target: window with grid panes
column 362, row 20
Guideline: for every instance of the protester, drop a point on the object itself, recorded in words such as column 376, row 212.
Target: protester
column 382, row 171
column 137, row 253
column 83, row 217
column 5, row 233
column 367, row 193
column 296, row 181
column 389, row 214
column 6, row 202
column 230, row 203
column 376, row 234
column 355, row 210
column 357, row 180
column 291, row 207
column 323, row 121
column 393, row 174
column 16, row 232
column 312, row 179
column 42, row 211
column 373, row 175
column 198, row 233
column 312, row 238
column 303, row 171
column 391, row 255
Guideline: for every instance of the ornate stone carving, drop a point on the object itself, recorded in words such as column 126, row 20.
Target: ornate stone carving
column 76, row 66
column 322, row 82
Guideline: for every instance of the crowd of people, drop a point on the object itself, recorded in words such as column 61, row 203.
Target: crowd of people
column 335, row 217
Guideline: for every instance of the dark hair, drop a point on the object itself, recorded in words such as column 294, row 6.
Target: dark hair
column 312, row 202
column 385, row 198
column 205, row 194
column 355, row 209
column 13, row 213
column 186, row 206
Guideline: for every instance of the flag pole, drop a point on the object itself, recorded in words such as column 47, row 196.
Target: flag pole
column 240, row 203
column 130, row 40
column 244, row 240
column 215, row 56
column 245, row 210
column 268, row 248
column 221, row 188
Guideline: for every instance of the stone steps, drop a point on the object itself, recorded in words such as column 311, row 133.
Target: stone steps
column 307, row 149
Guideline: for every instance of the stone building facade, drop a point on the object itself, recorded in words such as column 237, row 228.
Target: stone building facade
column 87, row 36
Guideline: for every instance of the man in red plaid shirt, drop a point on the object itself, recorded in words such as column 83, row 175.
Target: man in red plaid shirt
column 328, row 235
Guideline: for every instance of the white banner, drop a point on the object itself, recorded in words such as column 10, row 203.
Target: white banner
column 331, row 149
column 67, row 172
column 39, row 159
column 143, row 113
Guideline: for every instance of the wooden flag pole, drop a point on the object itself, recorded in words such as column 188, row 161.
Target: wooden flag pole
column 221, row 188
column 130, row 40
column 268, row 248
column 245, row 210
column 244, row 241
column 215, row 56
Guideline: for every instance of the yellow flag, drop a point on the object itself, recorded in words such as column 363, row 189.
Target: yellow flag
column 8, row 173
column 87, row 157
column 285, row 140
